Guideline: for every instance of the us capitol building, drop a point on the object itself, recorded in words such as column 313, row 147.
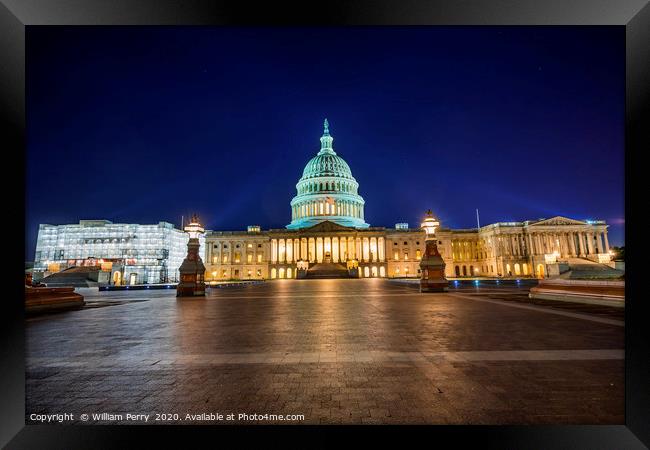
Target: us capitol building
column 328, row 237
column 328, row 234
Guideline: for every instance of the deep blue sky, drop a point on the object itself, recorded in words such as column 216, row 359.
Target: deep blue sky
column 147, row 124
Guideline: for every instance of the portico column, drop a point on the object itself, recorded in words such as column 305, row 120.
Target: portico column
column 366, row 249
column 319, row 249
column 606, row 241
column 373, row 246
column 599, row 243
column 581, row 243
column 572, row 244
column 311, row 243
column 590, row 243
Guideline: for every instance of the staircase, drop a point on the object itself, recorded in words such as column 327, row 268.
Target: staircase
column 581, row 268
column 73, row 276
column 327, row 270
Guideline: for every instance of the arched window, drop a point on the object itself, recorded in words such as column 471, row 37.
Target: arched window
column 525, row 267
column 457, row 271
column 366, row 272
column 281, row 272
column 464, row 271
column 273, row 272
column 289, row 272
column 382, row 271
column 471, row 271
column 517, row 269
column 508, row 272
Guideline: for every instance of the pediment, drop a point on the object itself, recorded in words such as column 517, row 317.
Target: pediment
column 328, row 226
column 558, row 220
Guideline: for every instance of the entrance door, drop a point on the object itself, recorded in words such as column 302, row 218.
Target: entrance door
column 133, row 278
column 540, row 271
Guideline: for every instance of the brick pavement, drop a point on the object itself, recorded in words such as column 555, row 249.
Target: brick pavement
column 336, row 351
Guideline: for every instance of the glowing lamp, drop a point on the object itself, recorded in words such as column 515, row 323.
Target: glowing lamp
column 194, row 228
column 429, row 225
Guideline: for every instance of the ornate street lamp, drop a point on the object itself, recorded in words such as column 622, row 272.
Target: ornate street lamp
column 192, row 270
column 432, row 266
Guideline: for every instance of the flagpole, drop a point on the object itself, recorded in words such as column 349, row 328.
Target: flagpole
column 478, row 224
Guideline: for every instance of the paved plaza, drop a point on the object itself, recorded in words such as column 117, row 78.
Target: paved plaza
column 334, row 351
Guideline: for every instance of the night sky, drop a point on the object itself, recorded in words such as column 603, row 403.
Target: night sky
column 139, row 125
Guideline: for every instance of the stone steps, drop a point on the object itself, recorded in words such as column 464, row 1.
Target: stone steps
column 328, row 270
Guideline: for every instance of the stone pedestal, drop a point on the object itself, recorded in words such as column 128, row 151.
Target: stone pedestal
column 301, row 268
column 192, row 272
column 353, row 268
column 432, row 268
column 44, row 299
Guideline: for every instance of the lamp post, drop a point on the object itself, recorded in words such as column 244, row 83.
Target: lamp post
column 192, row 270
column 432, row 266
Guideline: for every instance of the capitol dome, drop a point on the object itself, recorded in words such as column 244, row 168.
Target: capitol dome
column 327, row 191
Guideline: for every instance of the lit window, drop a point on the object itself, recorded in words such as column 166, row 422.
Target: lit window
column 418, row 254
column 249, row 257
column 396, row 255
column 406, row 256
column 250, row 245
column 259, row 257
column 225, row 258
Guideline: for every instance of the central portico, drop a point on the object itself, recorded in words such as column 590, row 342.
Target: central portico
column 329, row 243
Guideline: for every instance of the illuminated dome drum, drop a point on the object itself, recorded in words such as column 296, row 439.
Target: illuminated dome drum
column 327, row 191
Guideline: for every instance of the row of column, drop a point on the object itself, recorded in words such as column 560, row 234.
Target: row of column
column 571, row 243
column 335, row 249
column 217, row 257
column 324, row 208
column 565, row 243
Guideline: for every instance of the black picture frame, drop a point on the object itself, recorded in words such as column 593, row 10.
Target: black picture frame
column 634, row 15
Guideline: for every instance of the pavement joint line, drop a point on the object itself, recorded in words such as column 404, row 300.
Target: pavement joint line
column 542, row 309
column 276, row 358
